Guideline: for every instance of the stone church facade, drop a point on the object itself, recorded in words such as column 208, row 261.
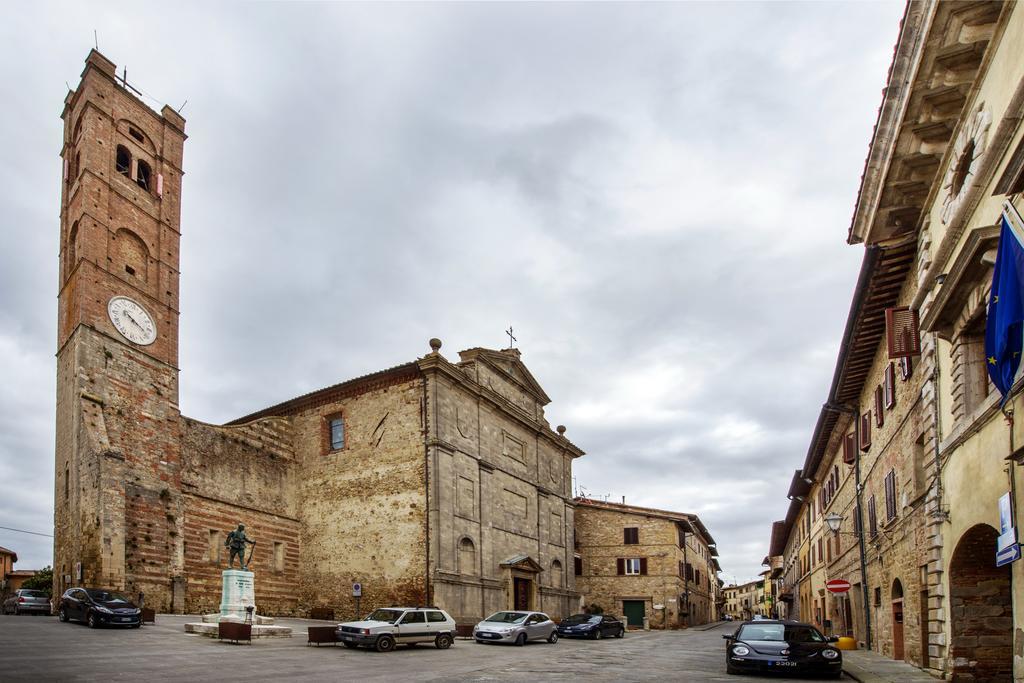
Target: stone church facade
column 432, row 482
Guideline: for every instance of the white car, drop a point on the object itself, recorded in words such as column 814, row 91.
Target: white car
column 390, row 626
column 516, row 627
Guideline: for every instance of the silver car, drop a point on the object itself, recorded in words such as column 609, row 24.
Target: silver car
column 25, row 601
column 516, row 627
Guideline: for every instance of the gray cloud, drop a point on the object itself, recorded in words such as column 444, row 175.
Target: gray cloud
column 655, row 196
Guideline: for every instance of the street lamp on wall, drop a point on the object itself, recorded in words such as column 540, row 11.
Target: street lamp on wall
column 834, row 521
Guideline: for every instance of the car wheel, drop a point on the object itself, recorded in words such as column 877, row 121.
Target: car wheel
column 91, row 620
column 553, row 638
column 521, row 639
column 349, row 645
column 62, row 615
column 17, row 611
column 443, row 641
column 385, row 644
column 598, row 634
column 621, row 633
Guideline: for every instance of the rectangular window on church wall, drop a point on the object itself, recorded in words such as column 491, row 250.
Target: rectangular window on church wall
column 214, row 545
column 335, row 432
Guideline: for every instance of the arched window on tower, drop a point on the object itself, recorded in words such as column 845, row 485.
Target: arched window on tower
column 143, row 175
column 124, row 161
column 467, row 557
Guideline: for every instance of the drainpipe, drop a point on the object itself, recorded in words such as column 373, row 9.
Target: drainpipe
column 860, row 543
column 859, row 489
column 686, row 580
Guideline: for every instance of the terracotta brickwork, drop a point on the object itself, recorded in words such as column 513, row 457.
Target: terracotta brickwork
column 660, row 584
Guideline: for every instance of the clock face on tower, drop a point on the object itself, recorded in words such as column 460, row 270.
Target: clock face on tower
column 132, row 321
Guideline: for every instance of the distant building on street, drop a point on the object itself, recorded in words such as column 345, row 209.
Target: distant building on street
column 11, row 578
column 646, row 564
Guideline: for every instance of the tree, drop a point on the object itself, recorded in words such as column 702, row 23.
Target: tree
column 42, row 581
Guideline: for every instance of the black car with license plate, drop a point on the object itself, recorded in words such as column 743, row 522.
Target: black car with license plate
column 790, row 646
column 594, row 626
column 98, row 607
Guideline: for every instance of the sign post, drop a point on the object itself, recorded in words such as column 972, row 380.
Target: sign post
column 357, row 593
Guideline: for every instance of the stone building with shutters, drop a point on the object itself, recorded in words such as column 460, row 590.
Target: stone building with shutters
column 910, row 454
column 432, row 482
column 646, row 564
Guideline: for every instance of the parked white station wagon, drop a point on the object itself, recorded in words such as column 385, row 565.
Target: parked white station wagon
column 390, row 626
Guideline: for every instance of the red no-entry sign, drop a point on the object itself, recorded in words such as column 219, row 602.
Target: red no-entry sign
column 837, row 586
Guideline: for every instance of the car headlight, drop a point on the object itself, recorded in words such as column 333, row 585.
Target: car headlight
column 740, row 650
column 829, row 653
column 101, row 608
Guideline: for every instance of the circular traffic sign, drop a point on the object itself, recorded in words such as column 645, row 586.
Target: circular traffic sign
column 837, row 585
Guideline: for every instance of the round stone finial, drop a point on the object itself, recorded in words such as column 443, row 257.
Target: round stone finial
column 435, row 344
column 560, row 429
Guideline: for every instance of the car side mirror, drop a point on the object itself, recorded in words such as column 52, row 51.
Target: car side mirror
column 726, row 636
column 832, row 639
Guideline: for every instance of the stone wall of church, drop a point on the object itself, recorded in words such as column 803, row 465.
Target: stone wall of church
column 363, row 507
column 240, row 475
column 499, row 490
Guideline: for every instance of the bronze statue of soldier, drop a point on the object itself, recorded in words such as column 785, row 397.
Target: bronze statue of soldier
column 235, row 543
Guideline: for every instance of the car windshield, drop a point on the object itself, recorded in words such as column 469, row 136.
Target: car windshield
column 507, row 617
column 33, row 594
column 581, row 619
column 106, row 596
column 780, row 633
column 388, row 615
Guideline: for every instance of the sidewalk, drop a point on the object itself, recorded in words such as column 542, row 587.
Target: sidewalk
column 870, row 667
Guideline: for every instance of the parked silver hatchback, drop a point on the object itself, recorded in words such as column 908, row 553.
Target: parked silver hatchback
column 516, row 627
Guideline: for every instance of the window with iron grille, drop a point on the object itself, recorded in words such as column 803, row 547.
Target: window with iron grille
column 335, row 432
column 631, row 535
column 890, row 495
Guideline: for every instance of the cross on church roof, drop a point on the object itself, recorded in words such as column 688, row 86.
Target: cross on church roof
column 511, row 340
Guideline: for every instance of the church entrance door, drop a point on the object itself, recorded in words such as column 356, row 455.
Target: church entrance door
column 523, row 592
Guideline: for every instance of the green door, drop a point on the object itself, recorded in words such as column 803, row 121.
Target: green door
column 633, row 610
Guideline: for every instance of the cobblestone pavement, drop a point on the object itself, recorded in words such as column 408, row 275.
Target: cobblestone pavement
column 42, row 649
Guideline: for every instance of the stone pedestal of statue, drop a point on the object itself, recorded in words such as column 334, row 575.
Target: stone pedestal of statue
column 238, row 591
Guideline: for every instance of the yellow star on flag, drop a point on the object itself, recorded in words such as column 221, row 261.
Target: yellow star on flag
column 991, row 360
column 995, row 299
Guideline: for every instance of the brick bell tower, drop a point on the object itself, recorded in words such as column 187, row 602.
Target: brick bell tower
column 117, row 502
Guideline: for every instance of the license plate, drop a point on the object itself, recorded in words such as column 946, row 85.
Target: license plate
column 778, row 663
column 124, row 618
column 346, row 636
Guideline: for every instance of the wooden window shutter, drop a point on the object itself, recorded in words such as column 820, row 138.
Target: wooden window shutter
column 630, row 535
column 850, row 448
column 620, row 566
column 890, row 495
column 643, row 565
column 890, row 386
column 865, row 431
column 906, row 367
column 879, row 406
column 902, row 332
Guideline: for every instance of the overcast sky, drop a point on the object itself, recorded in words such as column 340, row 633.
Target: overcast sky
column 655, row 197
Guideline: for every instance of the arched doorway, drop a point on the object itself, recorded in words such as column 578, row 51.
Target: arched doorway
column 897, row 620
column 982, row 613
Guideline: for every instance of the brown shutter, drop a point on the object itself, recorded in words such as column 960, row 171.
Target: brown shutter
column 902, row 332
column 865, row 431
column 890, row 386
column 879, row 406
column 620, row 566
column 643, row 565
column 850, row 448
column 906, row 367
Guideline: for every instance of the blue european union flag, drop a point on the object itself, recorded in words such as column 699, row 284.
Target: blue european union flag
column 1004, row 329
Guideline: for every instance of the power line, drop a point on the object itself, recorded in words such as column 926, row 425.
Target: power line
column 22, row 531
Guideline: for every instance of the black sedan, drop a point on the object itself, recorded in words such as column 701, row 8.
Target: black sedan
column 97, row 607
column 595, row 626
column 790, row 646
